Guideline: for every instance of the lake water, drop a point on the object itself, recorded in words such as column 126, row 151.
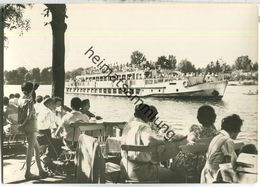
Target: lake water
column 178, row 114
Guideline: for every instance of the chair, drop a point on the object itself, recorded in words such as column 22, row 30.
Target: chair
column 91, row 166
column 141, row 148
column 68, row 154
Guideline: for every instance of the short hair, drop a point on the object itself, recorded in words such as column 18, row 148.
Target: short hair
column 27, row 86
column 5, row 101
column 249, row 148
column 11, row 96
column 49, row 101
column 206, row 115
column 154, row 113
column 75, row 103
column 145, row 112
column 232, row 123
column 46, row 97
column 57, row 99
column 39, row 99
column 84, row 102
column 17, row 95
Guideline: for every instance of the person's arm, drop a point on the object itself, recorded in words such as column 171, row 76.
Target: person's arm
column 228, row 149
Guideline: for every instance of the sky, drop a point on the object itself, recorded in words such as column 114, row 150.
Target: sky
column 200, row 33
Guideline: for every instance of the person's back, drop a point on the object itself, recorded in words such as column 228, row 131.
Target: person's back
column 221, row 148
column 68, row 119
column 74, row 116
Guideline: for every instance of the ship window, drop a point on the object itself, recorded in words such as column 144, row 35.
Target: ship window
column 92, row 90
column 94, row 78
column 105, row 90
column 100, row 90
column 159, row 90
column 137, row 91
column 133, row 76
column 131, row 91
column 95, row 90
column 172, row 83
column 120, row 91
column 123, row 76
column 105, row 78
column 151, row 90
column 101, row 78
column 97, row 78
column 109, row 90
column 177, row 90
column 114, row 91
column 88, row 90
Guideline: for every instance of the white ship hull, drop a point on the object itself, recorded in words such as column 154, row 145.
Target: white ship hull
column 169, row 89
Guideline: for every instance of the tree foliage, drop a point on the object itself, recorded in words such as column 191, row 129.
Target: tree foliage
column 243, row 63
column 166, row 63
column 137, row 58
column 186, row 66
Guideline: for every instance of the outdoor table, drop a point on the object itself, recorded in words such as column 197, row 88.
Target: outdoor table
column 242, row 177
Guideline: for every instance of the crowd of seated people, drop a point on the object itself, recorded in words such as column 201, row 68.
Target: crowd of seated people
column 45, row 120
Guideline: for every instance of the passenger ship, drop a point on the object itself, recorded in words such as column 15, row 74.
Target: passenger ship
column 146, row 84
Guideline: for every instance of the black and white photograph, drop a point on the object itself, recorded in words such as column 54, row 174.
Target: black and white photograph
column 129, row 92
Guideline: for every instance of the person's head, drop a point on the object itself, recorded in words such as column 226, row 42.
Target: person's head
column 206, row 115
column 249, row 148
column 153, row 114
column 50, row 103
column 58, row 101
column 232, row 124
column 145, row 112
column 39, row 99
column 46, row 97
column 27, row 88
column 17, row 95
column 11, row 96
column 5, row 101
column 75, row 103
column 85, row 105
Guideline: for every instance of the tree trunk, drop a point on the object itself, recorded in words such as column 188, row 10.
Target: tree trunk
column 58, row 26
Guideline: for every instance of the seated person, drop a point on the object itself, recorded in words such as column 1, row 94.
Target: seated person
column 10, row 116
column 85, row 106
column 222, row 149
column 141, row 166
column 15, row 99
column 47, row 126
column 74, row 116
column 61, row 109
column 38, row 104
column 189, row 162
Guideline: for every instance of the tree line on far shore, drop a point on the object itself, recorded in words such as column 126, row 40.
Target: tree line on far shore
column 242, row 69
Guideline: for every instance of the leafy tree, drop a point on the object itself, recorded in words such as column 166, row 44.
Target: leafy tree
column 36, row 74
column 243, row 63
column 226, row 68
column 166, row 63
column 28, row 76
column 186, row 66
column 137, row 58
column 46, row 75
column 14, row 19
column 255, row 66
